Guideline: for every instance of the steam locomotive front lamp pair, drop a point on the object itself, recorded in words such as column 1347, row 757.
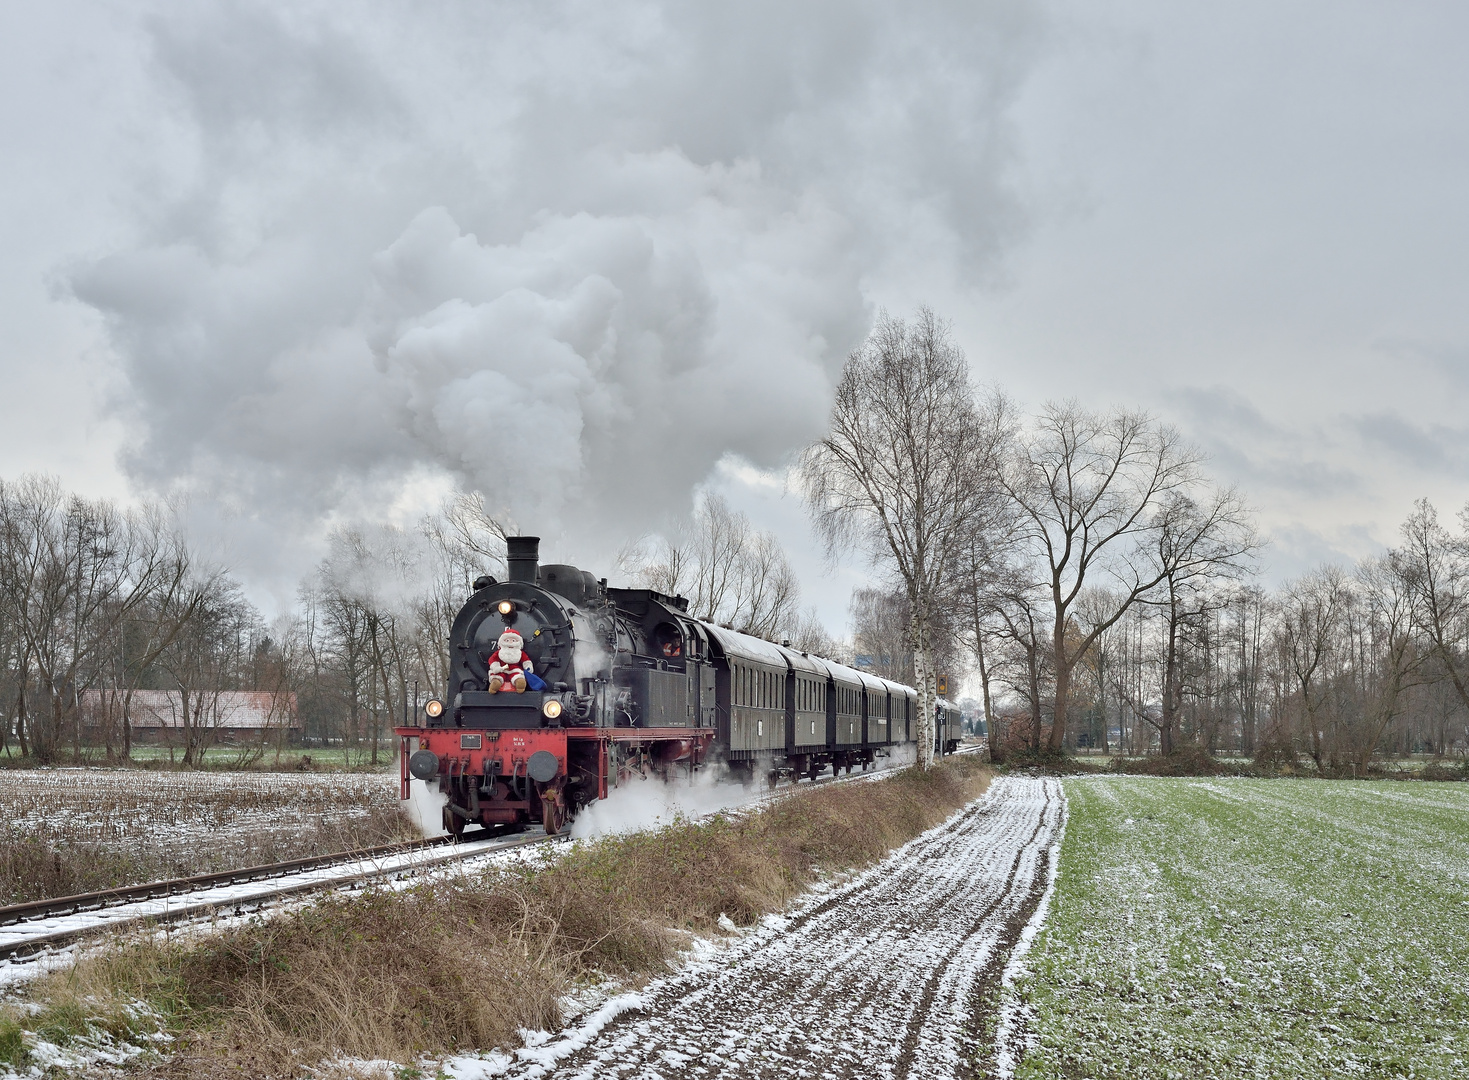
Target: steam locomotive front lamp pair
column 622, row 685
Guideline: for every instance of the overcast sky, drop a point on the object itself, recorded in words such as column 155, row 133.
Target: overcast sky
column 311, row 263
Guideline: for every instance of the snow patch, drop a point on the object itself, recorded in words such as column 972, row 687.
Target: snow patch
column 1012, row 1037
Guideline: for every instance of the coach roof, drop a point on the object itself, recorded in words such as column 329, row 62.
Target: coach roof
column 738, row 646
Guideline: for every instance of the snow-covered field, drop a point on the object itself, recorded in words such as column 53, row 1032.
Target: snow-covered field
column 192, row 821
column 1254, row 928
column 893, row 974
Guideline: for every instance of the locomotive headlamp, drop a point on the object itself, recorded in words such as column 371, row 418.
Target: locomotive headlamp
column 434, row 708
column 551, row 708
column 507, row 606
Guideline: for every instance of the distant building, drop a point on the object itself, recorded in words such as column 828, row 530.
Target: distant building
column 232, row 716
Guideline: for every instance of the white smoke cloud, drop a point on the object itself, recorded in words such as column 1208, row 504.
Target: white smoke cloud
column 425, row 808
column 570, row 255
column 648, row 804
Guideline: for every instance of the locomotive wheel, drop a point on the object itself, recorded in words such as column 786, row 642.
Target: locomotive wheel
column 554, row 814
column 453, row 823
column 553, row 819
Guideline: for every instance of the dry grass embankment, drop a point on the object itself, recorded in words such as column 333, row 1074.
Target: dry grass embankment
column 461, row 965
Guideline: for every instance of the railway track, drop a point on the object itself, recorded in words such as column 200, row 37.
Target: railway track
column 30, row 930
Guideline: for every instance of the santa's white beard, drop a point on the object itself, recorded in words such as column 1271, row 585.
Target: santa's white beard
column 510, row 656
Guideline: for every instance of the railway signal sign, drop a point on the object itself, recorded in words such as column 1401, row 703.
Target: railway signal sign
column 943, row 688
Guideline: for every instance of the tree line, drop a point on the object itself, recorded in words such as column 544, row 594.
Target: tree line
column 101, row 601
column 116, row 601
column 1105, row 592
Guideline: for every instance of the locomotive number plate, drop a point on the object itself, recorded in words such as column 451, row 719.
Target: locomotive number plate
column 469, row 742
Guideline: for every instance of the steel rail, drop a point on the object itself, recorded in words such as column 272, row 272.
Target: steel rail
column 153, row 890
column 35, row 945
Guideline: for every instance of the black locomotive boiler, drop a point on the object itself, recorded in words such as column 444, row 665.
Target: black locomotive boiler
column 630, row 687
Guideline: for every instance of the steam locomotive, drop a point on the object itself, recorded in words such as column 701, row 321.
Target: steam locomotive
column 631, row 687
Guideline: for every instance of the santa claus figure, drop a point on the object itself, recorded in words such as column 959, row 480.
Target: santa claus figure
column 508, row 663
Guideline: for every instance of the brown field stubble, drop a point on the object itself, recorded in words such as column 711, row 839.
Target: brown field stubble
column 69, row 831
column 465, row 964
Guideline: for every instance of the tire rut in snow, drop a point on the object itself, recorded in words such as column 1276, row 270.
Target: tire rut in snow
column 878, row 979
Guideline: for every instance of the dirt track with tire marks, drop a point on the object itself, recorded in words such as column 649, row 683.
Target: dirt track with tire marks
column 894, row 974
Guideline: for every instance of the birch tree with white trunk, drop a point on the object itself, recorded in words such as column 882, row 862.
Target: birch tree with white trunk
column 907, row 472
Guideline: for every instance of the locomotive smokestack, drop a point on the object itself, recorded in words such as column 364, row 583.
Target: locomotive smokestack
column 523, row 554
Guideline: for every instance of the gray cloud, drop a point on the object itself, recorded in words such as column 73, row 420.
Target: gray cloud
column 1427, row 447
column 1261, row 455
column 570, row 254
column 1297, row 549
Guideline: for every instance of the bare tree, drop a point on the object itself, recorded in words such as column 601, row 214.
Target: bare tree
column 1310, row 630
column 880, row 620
column 1386, row 662
column 1250, row 615
column 72, row 571
column 1093, row 607
column 907, row 472
column 807, row 633
column 1023, row 660
column 178, row 596
column 767, row 591
column 984, row 576
column 1434, row 565
column 206, row 658
column 1095, row 491
column 469, row 540
column 1195, row 547
column 731, row 572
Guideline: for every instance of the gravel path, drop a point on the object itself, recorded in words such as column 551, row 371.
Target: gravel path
column 895, row 974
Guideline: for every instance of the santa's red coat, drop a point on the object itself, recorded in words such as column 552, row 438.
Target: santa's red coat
column 508, row 669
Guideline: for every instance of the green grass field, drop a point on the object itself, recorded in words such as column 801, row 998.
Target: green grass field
column 1255, row 928
column 328, row 757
